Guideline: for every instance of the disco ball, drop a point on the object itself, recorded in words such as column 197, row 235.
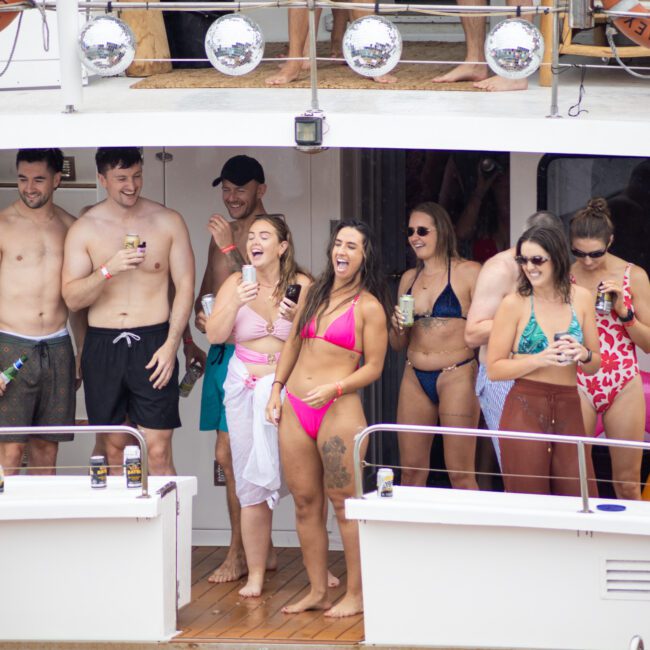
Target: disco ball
column 514, row 48
column 234, row 44
column 372, row 46
column 106, row 46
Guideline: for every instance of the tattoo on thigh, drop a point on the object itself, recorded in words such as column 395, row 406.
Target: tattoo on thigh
column 336, row 475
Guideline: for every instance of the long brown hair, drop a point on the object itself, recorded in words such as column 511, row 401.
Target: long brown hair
column 446, row 245
column 288, row 266
column 593, row 222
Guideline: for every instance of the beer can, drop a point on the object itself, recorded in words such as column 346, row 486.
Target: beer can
column 207, row 302
column 248, row 273
column 131, row 241
column 132, row 466
column 98, row 472
column 604, row 302
column 407, row 307
column 2, row 479
column 385, row 482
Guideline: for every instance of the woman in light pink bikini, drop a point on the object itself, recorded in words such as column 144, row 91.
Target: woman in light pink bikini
column 258, row 316
column 616, row 390
column 345, row 317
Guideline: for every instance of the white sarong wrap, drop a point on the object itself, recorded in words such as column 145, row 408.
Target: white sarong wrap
column 253, row 440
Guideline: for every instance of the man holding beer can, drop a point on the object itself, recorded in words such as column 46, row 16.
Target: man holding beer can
column 129, row 360
column 243, row 185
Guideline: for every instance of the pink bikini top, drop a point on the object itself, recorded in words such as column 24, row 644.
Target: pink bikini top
column 249, row 325
column 341, row 331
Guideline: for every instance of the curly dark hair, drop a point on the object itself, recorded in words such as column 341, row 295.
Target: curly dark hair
column 553, row 240
column 117, row 157
column 371, row 277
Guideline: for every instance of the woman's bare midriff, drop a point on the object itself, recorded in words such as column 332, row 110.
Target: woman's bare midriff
column 562, row 376
column 438, row 343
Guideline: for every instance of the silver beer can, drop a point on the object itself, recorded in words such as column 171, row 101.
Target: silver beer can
column 604, row 302
column 248, row 273
column 132, row 466
column 98, row 472
column 407, row 307
column 207, row 302
column 385, row 482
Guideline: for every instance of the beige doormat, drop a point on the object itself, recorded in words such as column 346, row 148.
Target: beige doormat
column 411, row 76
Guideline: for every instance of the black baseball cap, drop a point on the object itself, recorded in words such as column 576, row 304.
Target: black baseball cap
column 240, row 170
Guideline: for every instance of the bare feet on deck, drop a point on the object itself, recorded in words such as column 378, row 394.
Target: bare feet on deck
column 463, row 72
column 289, row 72
column 348, row 606
column 253, row 587
column 232, row 568
column 385, row 79
column 309, row 602
column 496, row 84
column 332, row 580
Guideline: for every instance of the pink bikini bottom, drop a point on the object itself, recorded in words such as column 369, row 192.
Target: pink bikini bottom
column 309, row 417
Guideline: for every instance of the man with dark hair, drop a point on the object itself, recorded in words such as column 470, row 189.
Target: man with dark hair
column 243, row 185
column 33, row 315
column 129, row 362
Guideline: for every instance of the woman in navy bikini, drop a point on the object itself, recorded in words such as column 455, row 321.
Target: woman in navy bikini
column 541, row 334
column 344, row 317
column 440, row 373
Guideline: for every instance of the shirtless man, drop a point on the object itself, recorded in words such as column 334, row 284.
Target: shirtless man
column 129, row 361
column 498, row 278
column 33, row 315
column 474, row 68
column 243, row 186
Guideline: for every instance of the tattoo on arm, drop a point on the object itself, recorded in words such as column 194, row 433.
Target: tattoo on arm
column 234, row 260
column 336, row 474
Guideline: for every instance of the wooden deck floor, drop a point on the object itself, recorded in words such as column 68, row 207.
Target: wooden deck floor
column 218, row 613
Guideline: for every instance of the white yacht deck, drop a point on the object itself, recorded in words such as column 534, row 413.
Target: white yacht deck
column 114, row 114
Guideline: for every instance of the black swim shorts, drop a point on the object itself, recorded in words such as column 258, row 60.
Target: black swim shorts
column 116, row 382
column 43, row 392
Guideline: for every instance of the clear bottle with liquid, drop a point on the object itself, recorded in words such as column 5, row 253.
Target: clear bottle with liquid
column 190, row 378
column 9, row 373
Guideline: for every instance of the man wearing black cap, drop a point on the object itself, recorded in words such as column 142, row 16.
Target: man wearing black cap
column 242, row 186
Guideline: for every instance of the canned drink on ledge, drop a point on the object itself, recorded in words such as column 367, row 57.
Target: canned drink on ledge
column 98, row 472
column 207, row 302
column 385, row 482
column 132, row 466
column 131, row 241
column 2, row 479
column 248, row 273
column 604, row 302
column 407, row 307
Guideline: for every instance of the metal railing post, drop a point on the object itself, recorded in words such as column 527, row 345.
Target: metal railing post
column 582, row 471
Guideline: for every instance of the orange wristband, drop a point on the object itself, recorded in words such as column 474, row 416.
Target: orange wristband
column 339, row 389
column 227, row 249
column 105, row 272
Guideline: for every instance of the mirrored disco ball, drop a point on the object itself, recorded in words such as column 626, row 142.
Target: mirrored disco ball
column 234, row 44
column 372, row 46
column 514, row 48
column 106, row 46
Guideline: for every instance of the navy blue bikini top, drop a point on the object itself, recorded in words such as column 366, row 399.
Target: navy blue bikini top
column 446, row 305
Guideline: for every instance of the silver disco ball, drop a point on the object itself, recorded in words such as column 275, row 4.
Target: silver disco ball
column 106, row 46
column 234, row 44
column 514, row 48
column 372, row 46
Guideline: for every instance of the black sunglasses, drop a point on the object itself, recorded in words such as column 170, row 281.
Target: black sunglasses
column 535, row 260
column 594, row 254
column 420, row 230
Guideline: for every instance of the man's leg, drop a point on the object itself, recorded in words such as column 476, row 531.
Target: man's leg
column 159, row 450
column 497, row 83
column 473, row 69
column 41, row 455
column 234, row 566
column 11, row 456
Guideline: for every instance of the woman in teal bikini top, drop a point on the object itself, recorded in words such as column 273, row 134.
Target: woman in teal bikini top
column 533, row 339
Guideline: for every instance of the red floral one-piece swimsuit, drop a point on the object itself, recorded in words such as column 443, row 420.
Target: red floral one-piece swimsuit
column 618, row 362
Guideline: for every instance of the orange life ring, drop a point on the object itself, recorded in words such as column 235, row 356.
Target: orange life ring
column 6, row 18
column 636, row 29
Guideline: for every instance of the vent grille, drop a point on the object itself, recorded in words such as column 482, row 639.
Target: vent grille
column 627, row 579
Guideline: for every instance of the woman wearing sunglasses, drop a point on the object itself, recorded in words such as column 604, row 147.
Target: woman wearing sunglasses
column 616, row 390
column 541, row 335
column 440, row 373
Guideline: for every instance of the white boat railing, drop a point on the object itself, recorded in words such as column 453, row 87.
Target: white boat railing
column 580, row 441
column 39, row 431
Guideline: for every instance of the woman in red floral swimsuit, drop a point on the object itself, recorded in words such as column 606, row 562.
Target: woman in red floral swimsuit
column 616, row 390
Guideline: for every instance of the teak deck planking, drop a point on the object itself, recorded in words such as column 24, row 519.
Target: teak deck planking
column 218, row 612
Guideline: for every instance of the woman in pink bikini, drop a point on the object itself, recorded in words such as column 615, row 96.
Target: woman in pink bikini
column 345, row 316
column 616, row 390
column 258, row 317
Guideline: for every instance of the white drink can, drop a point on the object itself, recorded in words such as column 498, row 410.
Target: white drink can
column 248, row 273
column 385, row 482
column 207, row 302
column 132, row 466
